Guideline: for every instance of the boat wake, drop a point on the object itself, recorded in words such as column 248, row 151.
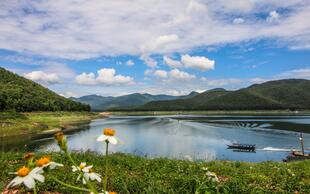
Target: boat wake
column 277, row 149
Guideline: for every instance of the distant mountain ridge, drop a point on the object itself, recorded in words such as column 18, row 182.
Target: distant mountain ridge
column 20, row 94
column 293, row 94
column 101, row 103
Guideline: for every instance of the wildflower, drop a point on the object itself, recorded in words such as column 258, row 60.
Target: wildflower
column 106, row 192
column 87, row 173
column 46, row 162
column 27, row 177
column 108, row 135
column 82, row 167
column 212, row 176
column 91, row 175
column 205, row 168
column 61, row 140
column 29, row 156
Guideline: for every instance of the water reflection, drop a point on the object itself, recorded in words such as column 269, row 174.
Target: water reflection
column 188, row 136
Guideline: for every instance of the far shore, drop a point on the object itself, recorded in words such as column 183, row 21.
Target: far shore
column 219, row 112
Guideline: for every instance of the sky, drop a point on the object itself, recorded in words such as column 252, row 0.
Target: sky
column 118, row 47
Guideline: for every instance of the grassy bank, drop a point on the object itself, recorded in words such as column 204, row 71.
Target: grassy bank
column 13, row 123
column 132, row 174
column 250, row 112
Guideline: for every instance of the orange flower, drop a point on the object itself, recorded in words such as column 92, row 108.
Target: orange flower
column 109, row 132
column 24, row 171
column 43, row 161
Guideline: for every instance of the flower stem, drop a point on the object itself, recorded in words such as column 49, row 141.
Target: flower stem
column 106, row 166
column 69, row 186
column 34, row 190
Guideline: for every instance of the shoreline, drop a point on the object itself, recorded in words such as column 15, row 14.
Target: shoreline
column 211, row 113
column 36, row 125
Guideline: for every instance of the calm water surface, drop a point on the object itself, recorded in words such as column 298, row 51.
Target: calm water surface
column 197, row 137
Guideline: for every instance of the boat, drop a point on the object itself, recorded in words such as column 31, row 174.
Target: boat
column 239, row 146
column 298, row 155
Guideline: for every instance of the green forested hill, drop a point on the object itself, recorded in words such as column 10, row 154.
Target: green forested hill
column 100, row 103
column 293, row 94
column 20, row 94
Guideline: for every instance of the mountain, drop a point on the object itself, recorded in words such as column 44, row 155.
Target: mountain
column 280, row 94
column 20, row 94
column 100, row 103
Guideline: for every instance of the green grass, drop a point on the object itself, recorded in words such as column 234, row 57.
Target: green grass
column 133, row 174
column 13, row 123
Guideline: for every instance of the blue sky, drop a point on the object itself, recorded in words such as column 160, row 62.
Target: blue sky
column 113, row 48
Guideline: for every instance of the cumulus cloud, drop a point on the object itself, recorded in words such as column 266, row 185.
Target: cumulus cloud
column 238, row 21
column 130, row 63
column 80, row 30
column 172, row 63
column 197, row 62
column 106, row 76
column 40, row 76
column 161, row 73
column 86, row 79
column 180, row 75
column 273, row 16
column 148, row 61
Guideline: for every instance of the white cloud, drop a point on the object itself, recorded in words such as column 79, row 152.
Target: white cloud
column 180, row 75
column 106, row 76
column 257, row 80
column 296, row 73
column 273, row 16
column 197, row 62
column 160, row 42
column 40, row 76
column 80, row 30
column 172, row 63
column 86, row 79
column 130, row 63
column 161, row 73
column 148, row 61
column 221, row 82
column 148, row 72
column 238, row 21
column 68, row 94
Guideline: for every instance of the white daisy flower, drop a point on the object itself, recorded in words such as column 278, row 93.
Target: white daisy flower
column 213, row 176
column 82, row 167
column 27, row 177
column 46, row 162
column 88, row 174
column 108, row 135
column 92, row 176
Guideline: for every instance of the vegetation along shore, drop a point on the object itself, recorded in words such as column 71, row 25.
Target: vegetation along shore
column 35, row 123
column 133, row 174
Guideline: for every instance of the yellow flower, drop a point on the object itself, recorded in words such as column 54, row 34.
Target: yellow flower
column 23, row 171
column 108, row 136
column 27, row 177
column 43, row 161
column 109, row 132
column 46, row 162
